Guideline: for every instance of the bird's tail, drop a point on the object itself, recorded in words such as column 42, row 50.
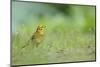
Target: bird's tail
column 26, row 44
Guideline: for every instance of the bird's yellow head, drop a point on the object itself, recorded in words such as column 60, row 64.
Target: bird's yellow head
column 41, row 29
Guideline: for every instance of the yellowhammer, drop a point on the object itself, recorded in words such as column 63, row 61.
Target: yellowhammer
column 37, row 37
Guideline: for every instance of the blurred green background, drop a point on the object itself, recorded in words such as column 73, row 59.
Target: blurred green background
column 69, row 35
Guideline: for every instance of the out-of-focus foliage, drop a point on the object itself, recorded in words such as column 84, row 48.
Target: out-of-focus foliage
column 28, row 13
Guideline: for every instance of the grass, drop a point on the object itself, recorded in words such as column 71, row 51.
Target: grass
column 61, row 44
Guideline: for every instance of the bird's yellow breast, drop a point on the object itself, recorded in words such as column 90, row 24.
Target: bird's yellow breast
column 39, row 34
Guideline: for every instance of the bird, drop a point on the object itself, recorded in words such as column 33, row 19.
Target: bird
column 37, row 37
